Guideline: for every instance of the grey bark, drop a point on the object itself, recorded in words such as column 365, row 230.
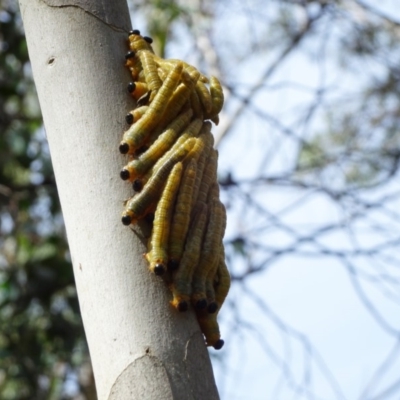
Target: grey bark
column 140, row 348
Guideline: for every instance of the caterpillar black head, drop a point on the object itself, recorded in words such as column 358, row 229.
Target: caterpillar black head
column 159, row 269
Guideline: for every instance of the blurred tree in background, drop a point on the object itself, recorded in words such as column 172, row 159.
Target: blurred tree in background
column 312, row 106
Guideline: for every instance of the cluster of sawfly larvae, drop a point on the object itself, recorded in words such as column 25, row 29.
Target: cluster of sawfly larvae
column 173, row 168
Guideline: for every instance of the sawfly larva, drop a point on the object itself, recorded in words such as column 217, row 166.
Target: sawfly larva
column 210, row 251
column 210, row 328
column 181, row 215
column 217, row 97
column 157, row 256
column 150, row 71
column 209, row 176
column 182, row 279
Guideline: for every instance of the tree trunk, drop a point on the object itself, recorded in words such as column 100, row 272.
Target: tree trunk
column 139, row 346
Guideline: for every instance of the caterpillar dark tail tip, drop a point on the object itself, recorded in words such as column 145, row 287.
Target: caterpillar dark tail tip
column 126, row 220
column 159, row 269
column 131, row 87
column 173, row 265
column 124, row 148
column 129, row 118
column 218, row 344
column 124, row 174
column 129, row 54
column 212, row 307
column 137, row 185
column 201, row 304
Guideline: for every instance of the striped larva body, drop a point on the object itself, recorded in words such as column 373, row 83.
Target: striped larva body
column 204, row 137
column 157, row 256
column 209, row 253
column 213, row 193
column 164, row 142
column 181, row 216
column 210, row 293
column 217, row 96
column 150, row 71
column 223, row 284
column 137, row 133
column 204, row 96
column 189, row 133
column 213, row 272
column 209, row 176
column 179, row 97
column 138, row 206
column 170, row 62
column 196, row 105
column 182, row 279
column 197, row 149
column 199, row 174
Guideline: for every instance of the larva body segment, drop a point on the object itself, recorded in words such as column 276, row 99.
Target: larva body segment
column 199, row 174
column 213, row 193
column 217, row 96
column 206, row 136
column 167, row 64
column 164, row 142
column 212, row 274
column 189, row 133
column 136, row 134
column 223, row 281
column 210, row 251
column 204, row 96
column 197, row 149
column 150, row 71
column 181, row 216
column 158, row 256
column 133, row 64
column 182, row 279
column 179, row 97
column 196, row 105
column 160, row 102
column 210, row 293
column 138, row 43
column 209, row 176
column 138, row 206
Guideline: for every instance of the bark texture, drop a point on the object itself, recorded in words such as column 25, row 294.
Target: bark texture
column 140, row 347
